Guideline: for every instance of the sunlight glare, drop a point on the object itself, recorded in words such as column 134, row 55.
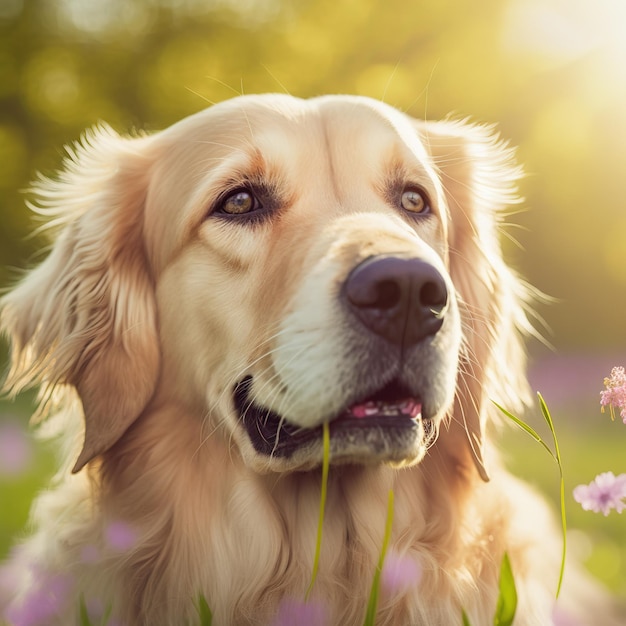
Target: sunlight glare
column 562, row 31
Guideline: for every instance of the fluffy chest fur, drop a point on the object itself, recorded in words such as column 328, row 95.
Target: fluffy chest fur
column 247, row 544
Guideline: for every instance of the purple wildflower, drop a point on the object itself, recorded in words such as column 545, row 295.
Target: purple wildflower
column 120, row 536
column 306, row 613
column 562, row 617
column 614, row 395
column 95, row 610
column 16, row 449
column 44, row 601
column 400, row 572
column 604, row 493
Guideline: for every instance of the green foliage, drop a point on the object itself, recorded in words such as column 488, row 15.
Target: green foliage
column 556, row 455
column 204, row 612
column 507, row 595
column 83, row 614
column 323, row 496
column 372, row 603
column 506, row 606
column 527, row 428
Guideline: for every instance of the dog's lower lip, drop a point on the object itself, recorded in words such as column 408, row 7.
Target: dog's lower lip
column 391, row 410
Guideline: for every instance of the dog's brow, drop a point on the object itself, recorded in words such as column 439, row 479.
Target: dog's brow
column 254, row 171
column 399, row 171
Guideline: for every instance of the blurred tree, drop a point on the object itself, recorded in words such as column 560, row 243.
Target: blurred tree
column 533, row 67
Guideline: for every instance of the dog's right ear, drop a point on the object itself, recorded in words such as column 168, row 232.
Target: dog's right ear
column 86, row 316
column 478, row 175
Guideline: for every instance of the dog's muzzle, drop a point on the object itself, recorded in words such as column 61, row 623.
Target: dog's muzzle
column 396, row 307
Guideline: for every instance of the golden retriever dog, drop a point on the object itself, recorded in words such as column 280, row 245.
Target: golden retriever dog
column 219, row 291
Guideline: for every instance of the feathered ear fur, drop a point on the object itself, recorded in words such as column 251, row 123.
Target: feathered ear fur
column 479, row 179
column 86, row 316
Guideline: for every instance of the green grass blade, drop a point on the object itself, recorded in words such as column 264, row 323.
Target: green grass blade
column 320, row 521
column 82, row 612
column 372, row 603
column 528, row 429
column 204, row 612
column 556, row 455
column 507, row 596
column 548, row 418
column 466, row 621
column 107, row 615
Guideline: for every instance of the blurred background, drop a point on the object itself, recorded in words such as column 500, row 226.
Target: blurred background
column 550, row 73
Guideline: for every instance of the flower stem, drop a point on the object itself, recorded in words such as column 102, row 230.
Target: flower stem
column 320, row 522
column 372, row 603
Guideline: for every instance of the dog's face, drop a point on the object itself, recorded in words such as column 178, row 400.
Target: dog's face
column 309, row 281
column 275, row 264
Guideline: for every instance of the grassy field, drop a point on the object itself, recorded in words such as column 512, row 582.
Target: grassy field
column 22, row 479
column 590, row 443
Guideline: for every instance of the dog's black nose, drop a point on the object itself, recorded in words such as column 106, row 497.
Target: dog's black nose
column 401, row 299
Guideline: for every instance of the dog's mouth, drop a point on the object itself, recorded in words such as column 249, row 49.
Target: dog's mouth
column 387, row 425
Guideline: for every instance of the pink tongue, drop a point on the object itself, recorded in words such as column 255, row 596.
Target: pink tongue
column 409, row 407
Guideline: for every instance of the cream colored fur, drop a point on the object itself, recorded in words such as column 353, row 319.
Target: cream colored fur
column 148, row 311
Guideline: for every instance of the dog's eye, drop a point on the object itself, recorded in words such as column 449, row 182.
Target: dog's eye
column 415, row 201
column 238, row 202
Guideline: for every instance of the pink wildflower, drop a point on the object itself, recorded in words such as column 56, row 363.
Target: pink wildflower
column 307, row 613
column 615, row 394
column 400, row 572
column 43, row 603
column 604, row 493
column 16, row 449
column 562, row 617
column 120, row 536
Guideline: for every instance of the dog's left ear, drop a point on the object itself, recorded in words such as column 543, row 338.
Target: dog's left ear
column 86, row 317
column 478, row 177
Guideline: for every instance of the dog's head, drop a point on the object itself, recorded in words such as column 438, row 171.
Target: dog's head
column 275, row 264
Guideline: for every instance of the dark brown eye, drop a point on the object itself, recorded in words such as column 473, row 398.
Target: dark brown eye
column 238, row 202
column 415, row 201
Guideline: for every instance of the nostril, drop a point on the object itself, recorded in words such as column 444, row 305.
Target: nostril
column 388, row 296
column 434, row 296
column 369, row 289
